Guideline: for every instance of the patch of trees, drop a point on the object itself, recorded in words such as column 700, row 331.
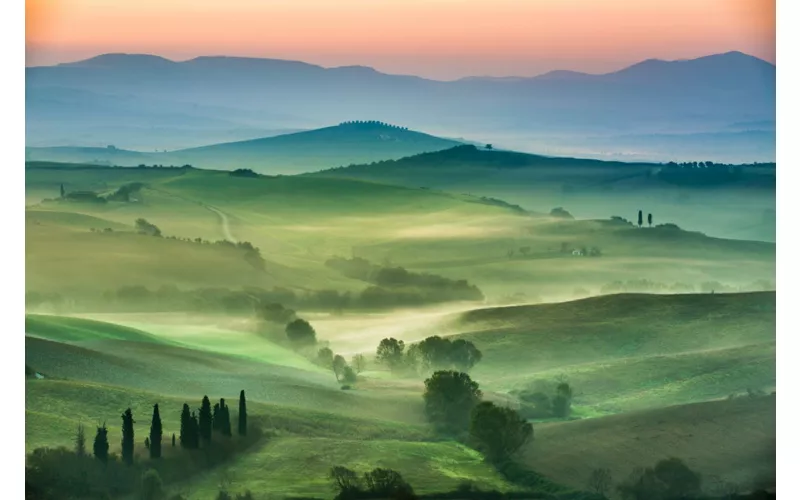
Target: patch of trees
column 96, row 473
column 243, row 172
column 547, row 402
column 396, row 284
column 148, row 228
column 668, row 479
column 84, row 197
column 123, row 193
column 645, row 286
column 437, row 353
column 703, row 173
column 560, row 213
column 378, row 483
column 370, row 124
column 504, row 204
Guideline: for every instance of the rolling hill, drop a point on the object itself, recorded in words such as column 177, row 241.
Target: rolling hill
column 344, row 144
column 120, row 96
column 723, row 200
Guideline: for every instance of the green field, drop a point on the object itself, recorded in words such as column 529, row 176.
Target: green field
column 641, row 365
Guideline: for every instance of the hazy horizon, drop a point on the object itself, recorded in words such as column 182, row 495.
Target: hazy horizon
column 451, row 38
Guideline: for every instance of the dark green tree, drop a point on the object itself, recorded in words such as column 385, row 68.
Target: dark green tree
column 640, row 218
column 100, row 447
column 127, row 436
column 186, row 427
column 498, row 432
column 348, row 375
column 562, row 401
column 152, row 488
column 338, row 366
column 325, row 357
column 225, row 418
column 80, row 441
column 449, row 398
column 194, row 431
column 173, row 440
column 301, row 333
column 650, row 220
column 359, row 363
column 205, row 420
column 390, row 352
column 155, row 434
column 62, row 191
column 242, row 414
column 216, row 421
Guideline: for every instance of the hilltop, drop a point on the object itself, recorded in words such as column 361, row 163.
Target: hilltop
column 729, row 201
column 345, row 144
column 119, row 97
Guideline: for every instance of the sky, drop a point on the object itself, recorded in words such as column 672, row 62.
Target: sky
column 442, row 39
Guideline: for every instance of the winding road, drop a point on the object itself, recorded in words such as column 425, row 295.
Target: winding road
column 223, row 219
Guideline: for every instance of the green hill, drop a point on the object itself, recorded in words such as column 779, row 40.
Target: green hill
column 344, row 144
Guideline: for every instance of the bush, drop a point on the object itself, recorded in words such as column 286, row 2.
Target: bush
column 151, row 485
column 301, row 333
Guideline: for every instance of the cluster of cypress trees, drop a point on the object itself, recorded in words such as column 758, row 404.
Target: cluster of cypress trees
column 195, row 427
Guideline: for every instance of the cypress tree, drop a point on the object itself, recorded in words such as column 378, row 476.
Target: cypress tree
column 640, row 218
column 215, row 419
column 100, row 447
column 204, row 420
column 62, row 190
column 173, row 440
column 225, row 418
column 155, row 434
column 194, row 430
column 127, row 437
column 186, row 425
column 80, row 441
column 242, row 414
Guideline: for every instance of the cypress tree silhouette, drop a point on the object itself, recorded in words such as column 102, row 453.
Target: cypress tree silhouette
column 194, row 429
column 127, row 437
column 225, row 418
column 650, row 220
column 80, row 441
column 62, row 190
column 204, row 420
column 100, row 447
column 186, row 426
column 640, row 218
column 155, row 434
column 242, row 414
column 173, row 440
column 215, row 418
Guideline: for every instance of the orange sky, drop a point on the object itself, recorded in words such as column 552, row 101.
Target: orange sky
column 435, row 38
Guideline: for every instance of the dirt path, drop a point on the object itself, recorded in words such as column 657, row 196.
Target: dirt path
column 223, row 219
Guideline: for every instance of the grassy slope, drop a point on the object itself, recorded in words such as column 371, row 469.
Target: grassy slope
column 733, row 440
column 299, row 222
column 587, row 188
column 624, row 352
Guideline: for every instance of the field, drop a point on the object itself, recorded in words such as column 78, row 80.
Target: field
column 676, row 364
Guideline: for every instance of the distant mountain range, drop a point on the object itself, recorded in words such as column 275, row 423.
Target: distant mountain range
column 341, row 145
column 148, row 102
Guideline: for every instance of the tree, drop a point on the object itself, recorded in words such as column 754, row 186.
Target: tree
column 390, row 352
column 650, row 220
column 127, row 436
column 498, row 432
column 173, row 440
column 215, row 418
column 488, row 146
column 62, row 191
column 562, row 402
column 345, row 481
column 187, row 440
column 449, row 398
column 194, row 431
column 348, row 375
column 339, row 365
column 640, row 218
column 152, row 488
column 242, row 414
column 225, row 418
column 600, row 481
column 301, row 333
column 205, row 420
column 678, row 479
column 145, row 227
column 386, row 483
column 359, row 363
column 325, row 357
column 100, row 447
column 155, row 434
column 80, row 441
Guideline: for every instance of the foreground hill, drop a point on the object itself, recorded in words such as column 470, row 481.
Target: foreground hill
column 730, row 201
column 120, row 96
column 344, row 144
column 729, row 442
